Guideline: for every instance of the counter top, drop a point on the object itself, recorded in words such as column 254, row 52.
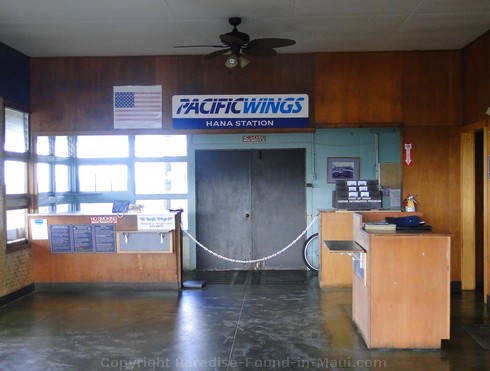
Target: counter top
column 343, row 246
column 359, row 211
column 80, row 213
column 404, row 232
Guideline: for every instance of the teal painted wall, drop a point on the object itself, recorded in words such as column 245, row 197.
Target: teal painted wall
column 370, row 145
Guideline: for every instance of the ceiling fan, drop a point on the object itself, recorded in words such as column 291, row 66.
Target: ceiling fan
column 239, row 44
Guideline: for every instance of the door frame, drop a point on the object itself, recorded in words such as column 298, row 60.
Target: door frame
column 236, row 142
column 467, row 219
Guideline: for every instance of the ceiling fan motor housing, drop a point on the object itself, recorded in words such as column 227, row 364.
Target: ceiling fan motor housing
column 235, row 37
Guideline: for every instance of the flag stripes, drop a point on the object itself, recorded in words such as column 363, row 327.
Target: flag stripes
column 137, row 107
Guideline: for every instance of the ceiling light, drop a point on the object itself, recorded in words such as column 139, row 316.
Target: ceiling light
column 235, row 60
column 243, row 61
column 232, row 61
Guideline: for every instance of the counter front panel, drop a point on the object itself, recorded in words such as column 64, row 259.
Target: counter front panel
column 134, row 248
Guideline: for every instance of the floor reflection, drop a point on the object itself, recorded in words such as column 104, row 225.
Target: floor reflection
column 237, row 321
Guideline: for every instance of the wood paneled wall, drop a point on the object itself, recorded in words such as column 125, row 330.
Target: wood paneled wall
column 413, row 88
column 75, row 94
column 356, row 88
column 430, row 94
column 435, row 177
column 345, row 89
column 476, row 80
column 431, row 89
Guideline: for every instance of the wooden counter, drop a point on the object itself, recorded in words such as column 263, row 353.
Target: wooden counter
column 400, row 283
column 336, row 269
column 404, row 300
column 123, row 263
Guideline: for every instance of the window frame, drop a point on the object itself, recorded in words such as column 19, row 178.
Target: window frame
column 21, row 201
column 75, row 197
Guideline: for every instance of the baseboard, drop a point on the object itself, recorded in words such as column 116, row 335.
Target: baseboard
column 17, row 294
column 105, row 286
column 456, row 287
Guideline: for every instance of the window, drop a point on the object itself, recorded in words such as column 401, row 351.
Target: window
column 61, row 147
column 43, row 177
column 16, row 131
column 103, row 178
column 54, row 173
column 96, row 208
column 160, row 145
column 63, row 208
column 62, row 178
column 102, row 146
column 43, row 146
column 160, row 177
column 15, row 177
column 16, row 225
column 15, row 174
column 90, row 172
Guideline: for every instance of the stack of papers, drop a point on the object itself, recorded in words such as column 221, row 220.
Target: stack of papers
column 379, row 226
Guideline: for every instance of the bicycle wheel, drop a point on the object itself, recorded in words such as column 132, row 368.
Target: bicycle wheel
column 311, row 252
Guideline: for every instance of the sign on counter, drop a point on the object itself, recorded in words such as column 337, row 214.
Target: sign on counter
column 104, row 237
column 39, row 229
column 82, row 238
column 158, row 223
column 60, row 238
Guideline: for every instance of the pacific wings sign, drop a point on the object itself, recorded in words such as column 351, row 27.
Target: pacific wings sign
column 240, row 111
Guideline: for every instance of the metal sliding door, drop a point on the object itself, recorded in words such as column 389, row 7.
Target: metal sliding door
column 250, row 204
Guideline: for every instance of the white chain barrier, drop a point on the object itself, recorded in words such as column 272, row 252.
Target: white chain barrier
column 254, row 260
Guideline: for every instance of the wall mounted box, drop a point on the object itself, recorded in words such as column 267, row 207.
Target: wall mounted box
column 141, row 242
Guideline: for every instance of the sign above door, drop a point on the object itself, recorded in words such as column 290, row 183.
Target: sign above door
column 268, row 111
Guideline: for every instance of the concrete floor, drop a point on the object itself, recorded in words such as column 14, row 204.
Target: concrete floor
column 238, row 321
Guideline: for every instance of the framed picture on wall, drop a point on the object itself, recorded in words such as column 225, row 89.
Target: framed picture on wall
column 342, row 168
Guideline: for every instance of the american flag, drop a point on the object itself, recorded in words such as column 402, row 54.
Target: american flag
column 137, row 107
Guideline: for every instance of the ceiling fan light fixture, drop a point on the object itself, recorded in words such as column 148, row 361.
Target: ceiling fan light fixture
column 235, row 60
column 232, row 61
column 242, row 61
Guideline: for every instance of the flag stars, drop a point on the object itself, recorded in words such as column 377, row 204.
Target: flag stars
column 124, row 100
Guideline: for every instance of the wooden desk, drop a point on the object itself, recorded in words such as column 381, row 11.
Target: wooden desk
column 404, row 301
column 132, row 255
column 335, row 269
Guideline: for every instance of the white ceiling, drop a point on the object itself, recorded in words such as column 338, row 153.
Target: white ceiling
column 47, row 28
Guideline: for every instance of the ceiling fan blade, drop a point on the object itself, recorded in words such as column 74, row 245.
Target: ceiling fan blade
column 237, row 43
column 199, row 46
column 259, row 51
column 271, row 43
column 217, row 53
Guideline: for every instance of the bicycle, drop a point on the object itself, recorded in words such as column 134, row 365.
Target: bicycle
column 311, row 252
